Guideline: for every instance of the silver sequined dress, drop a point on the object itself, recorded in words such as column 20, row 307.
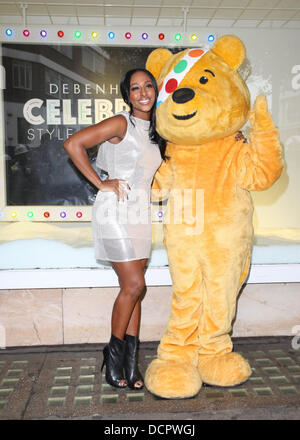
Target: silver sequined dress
column 122, row 230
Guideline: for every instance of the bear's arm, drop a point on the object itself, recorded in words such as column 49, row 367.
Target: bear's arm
column 259, row 163
column 162, row 182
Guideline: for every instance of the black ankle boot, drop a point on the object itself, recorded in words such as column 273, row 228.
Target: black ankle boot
column 132, row 373
column 113, row 358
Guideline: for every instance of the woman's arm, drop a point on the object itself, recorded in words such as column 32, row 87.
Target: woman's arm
column 112, row 129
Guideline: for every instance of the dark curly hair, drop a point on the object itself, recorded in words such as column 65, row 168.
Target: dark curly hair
column 125, row 91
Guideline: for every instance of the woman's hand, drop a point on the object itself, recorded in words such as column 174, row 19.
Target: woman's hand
column 118, row 186
column 112, row 129
column 240, row 137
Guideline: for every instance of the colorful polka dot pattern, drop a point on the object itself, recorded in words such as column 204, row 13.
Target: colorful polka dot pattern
column 174, row 78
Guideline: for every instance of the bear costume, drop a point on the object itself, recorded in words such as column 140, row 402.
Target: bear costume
column 203, row 102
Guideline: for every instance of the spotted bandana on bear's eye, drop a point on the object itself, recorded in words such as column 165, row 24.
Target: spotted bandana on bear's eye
column 174, row 78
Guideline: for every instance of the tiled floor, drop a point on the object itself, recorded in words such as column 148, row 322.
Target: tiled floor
column 66, row 382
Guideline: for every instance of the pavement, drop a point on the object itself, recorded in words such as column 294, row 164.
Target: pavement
column 65, row 383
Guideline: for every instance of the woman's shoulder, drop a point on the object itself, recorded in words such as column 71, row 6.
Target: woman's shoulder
column 116, row 124
column 121, row 120
column 122, row 115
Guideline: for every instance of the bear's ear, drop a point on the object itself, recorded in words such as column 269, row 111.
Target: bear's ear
column 156, row 61
column 231, row 50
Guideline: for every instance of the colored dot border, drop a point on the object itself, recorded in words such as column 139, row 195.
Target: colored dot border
column 46, row 213
column 104, row 35
column 65, row 34
column 57, row 213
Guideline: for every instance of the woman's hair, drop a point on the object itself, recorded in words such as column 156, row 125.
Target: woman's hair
column 125, row 91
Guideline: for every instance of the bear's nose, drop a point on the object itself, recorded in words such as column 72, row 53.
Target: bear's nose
column 183, row 95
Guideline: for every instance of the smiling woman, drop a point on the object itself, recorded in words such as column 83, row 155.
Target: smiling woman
column 142, row 95
column 130, row 153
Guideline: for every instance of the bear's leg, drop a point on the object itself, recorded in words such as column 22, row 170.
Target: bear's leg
column 217, row 364
column 174, row 373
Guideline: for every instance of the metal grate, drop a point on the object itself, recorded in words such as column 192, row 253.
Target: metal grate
column 69, row 383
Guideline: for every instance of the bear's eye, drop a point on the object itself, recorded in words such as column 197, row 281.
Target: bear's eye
column 203, row 80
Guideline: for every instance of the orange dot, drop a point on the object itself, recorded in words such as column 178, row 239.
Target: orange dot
column 160, row 87
column 196, row 53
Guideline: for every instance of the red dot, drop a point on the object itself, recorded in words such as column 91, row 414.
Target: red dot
column 47, row 214
column 171, row 85
column 79, row 214
column 60, row 34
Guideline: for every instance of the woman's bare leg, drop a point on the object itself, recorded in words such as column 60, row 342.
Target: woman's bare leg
column 133, row 328
column 126, row 315
column 132, row 284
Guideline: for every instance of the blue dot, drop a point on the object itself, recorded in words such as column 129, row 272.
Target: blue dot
column 158, row 103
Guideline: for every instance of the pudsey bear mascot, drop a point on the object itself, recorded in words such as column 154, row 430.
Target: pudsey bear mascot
column 202, row 103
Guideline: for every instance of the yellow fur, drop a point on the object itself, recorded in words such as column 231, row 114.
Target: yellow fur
column 209, row 252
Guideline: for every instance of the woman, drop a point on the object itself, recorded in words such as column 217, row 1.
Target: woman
column 121, row 218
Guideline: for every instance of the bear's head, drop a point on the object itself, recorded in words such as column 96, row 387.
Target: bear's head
column 202, row 97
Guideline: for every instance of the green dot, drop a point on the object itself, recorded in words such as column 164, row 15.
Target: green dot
column 180, row 66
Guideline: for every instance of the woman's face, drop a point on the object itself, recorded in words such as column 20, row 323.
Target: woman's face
column 141, row 95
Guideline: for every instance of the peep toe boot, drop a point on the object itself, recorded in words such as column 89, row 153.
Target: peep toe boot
column 113, row 359
column 132, row 373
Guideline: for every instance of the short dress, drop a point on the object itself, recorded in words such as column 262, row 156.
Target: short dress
column 122, row 230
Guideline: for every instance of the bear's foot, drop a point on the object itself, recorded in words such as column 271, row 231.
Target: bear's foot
column 225, row 370
column 172, row 380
